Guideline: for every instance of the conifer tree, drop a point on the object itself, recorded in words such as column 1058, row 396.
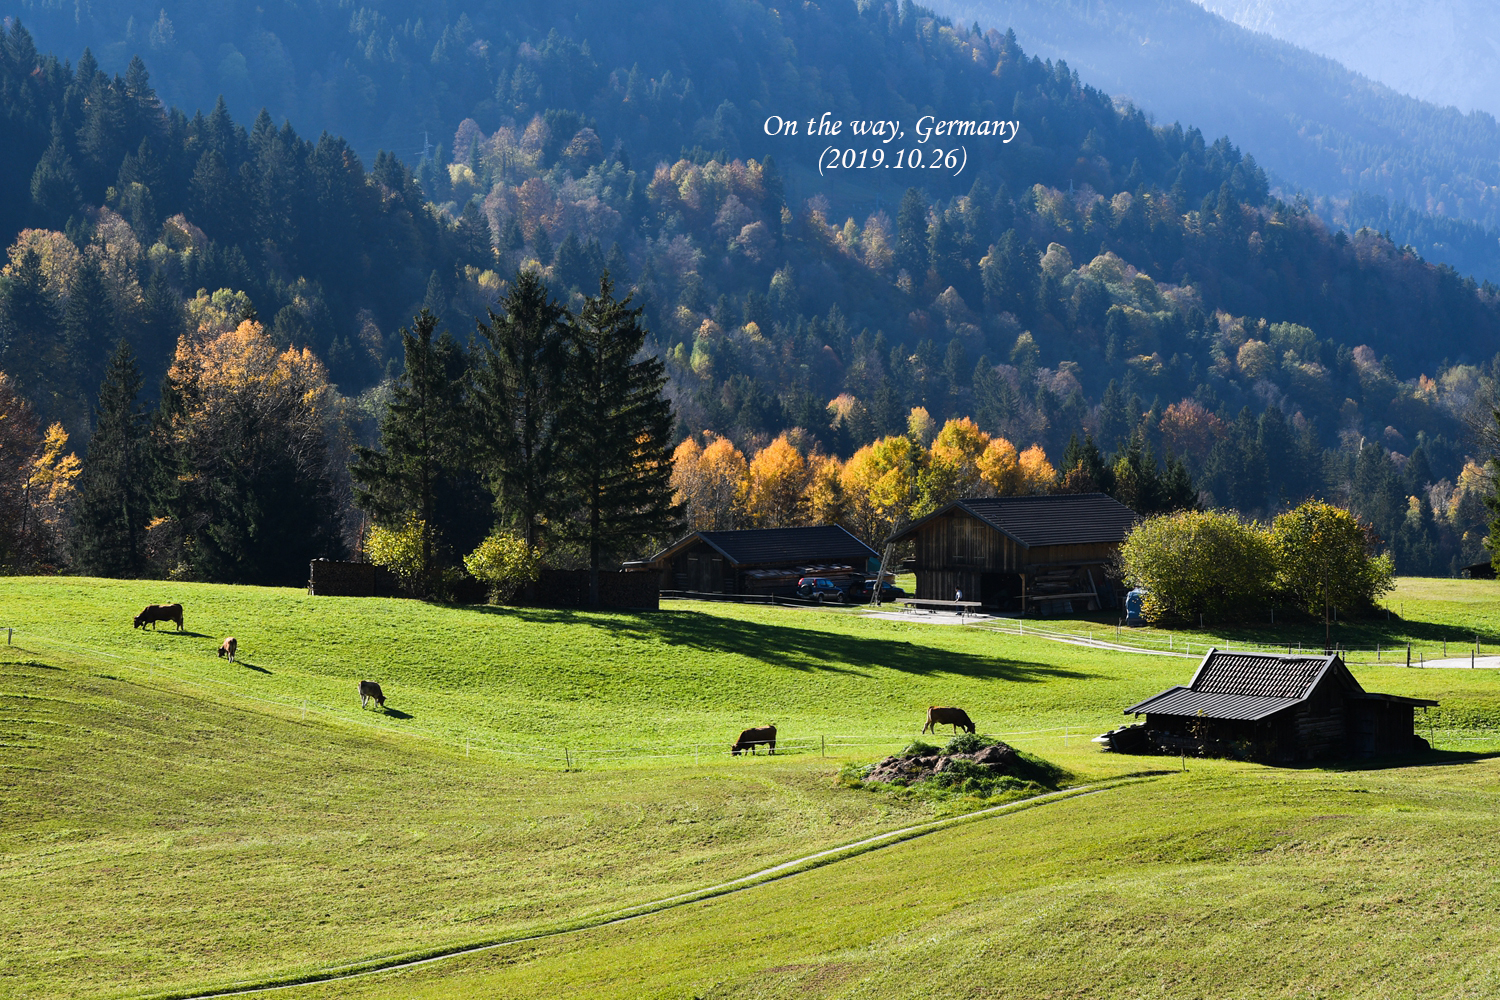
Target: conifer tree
column 113, row 504
column 29, row 322
column 618, row 428
column 911, row 236
column 424, row 468
column 521, row 390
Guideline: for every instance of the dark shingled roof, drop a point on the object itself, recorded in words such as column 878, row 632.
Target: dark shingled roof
column 1057, row 519
column 771, row 546
column 1251, row 686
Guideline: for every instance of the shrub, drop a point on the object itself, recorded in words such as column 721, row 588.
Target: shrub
column 1197, row 562
column 505, row 562
column 399, row 550
column 1318, row 545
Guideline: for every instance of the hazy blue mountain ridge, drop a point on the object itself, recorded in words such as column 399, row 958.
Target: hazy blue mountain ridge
column 1315, row 125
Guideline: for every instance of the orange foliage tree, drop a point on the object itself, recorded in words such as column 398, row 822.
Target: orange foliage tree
column 246, row 428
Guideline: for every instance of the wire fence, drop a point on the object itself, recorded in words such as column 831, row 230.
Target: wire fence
column 1415, row 653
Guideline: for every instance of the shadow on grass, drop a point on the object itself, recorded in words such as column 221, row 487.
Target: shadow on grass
column 183, row 634
column 250, row 666
column 792, row 646
column 1361, row 633
column 396, row 713
column 1430, row 758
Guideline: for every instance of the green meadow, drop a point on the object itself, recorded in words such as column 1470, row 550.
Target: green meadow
column 171, row 823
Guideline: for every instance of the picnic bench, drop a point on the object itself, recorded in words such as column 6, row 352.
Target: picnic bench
column 957, row 607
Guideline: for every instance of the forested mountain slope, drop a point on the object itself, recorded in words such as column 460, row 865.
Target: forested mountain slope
column 1096, row 274
column 1441, row 51
column 1313, row 123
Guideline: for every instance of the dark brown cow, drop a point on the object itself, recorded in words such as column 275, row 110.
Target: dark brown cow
column 754, row 737
column 369, row 690
column 227, row 648
column 159, row 613
column 955, row 717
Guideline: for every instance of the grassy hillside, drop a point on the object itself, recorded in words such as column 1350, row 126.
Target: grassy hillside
column 1222, row 884
column 174, row 822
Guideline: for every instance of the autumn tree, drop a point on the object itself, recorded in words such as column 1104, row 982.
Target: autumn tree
column 710, row 483
column 880, row 486
column 617, row 424
column 999, row 467
column 776, row 494
column 36, row 484
column 424, row 473
column 952, row 471
column 114, row 503
column 251, row 494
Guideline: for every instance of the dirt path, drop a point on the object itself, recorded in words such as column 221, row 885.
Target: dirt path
column 784, row 870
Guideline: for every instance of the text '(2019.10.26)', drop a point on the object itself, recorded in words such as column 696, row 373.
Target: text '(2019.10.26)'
column 848, row 158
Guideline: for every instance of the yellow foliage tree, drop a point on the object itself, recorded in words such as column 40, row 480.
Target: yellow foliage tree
column 710, row 482
column 826, row 502
column 776, row 496
column 952, row 471
column 36, row 484
column 1000, row 468
column 880, row 484
column 1037, row 474
column 399, row 550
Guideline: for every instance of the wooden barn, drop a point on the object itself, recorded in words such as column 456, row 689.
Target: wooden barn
column 760, row 560
column 1041, row 553
column 1280, row 708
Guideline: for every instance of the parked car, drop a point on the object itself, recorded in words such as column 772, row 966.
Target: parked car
column 860, row 590
column 820, row 589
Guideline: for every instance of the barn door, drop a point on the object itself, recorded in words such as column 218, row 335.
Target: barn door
column 1365, row 727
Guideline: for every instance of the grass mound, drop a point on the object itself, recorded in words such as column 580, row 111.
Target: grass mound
column 970, row 766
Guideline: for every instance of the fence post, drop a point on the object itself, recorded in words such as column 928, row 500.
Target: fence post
column 567, row 759
column 8, row 633
column 1408, row 654
column 823, row 749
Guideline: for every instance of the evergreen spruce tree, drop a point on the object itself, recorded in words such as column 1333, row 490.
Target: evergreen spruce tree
column 424, row 466
column 520, row 383
column 911, row 236
column 29, row 323
column 618, row 428
column 113, row 504
column 87, row 329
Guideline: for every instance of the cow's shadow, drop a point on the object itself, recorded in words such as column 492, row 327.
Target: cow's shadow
column 396, row 713
column 250, row 666
column 180, row 635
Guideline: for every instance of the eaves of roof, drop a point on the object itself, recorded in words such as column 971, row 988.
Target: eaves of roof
column 1185, row 701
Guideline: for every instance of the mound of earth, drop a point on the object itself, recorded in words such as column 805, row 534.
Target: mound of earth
column 998, row 758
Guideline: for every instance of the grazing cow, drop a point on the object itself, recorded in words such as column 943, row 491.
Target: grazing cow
column 368, row 690
column 159, row 613
column 754, row 737
column 955, row 717
column 227, row 648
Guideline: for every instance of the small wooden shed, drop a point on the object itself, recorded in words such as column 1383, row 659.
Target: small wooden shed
column 1281, row 708
column 759, row 560
column 1035, row 553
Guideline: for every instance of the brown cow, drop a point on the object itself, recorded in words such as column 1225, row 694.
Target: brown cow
column 227, row 648
column 955, row 717
column 368, row 690
column 754, row 737
column 159, row 613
